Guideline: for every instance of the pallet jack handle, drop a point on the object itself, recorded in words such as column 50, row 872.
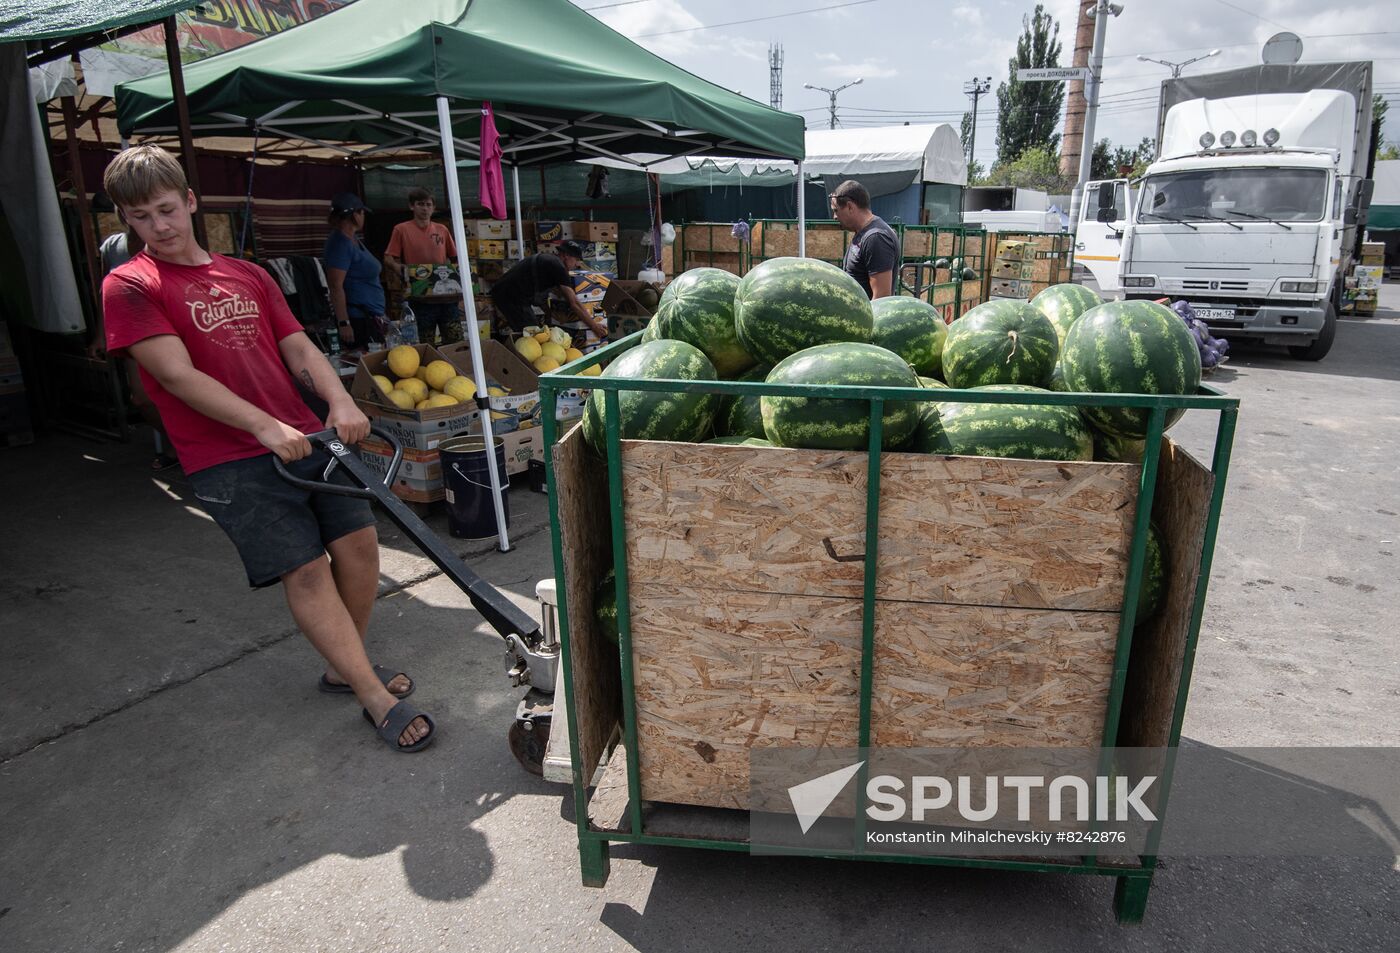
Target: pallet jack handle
column 498, row 611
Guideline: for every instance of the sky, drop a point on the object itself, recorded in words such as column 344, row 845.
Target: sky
column 914, row 56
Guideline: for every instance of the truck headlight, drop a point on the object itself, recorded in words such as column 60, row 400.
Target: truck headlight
column 1207, row 140
column 1270, row 136
column 1143, row 281
column 1298, row 287
column 1227, row 138
column 1249, row 139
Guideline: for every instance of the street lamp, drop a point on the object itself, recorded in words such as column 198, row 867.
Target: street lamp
column 832, row 93
column 1176, row 68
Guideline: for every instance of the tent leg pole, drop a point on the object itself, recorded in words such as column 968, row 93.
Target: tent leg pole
column 182, row 120
column 801, row 214
column 459, row 236
column 519, row 212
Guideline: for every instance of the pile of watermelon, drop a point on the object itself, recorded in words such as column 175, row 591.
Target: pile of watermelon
column 805, row 322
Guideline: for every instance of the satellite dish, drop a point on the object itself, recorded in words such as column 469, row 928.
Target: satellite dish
column 1283, row 49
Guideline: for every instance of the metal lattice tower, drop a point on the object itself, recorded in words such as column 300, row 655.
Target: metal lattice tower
column 775, row 75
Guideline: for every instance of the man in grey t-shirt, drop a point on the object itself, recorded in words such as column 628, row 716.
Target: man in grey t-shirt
column 873, row 254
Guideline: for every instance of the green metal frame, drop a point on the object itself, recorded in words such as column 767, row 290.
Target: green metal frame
column 1130, row 898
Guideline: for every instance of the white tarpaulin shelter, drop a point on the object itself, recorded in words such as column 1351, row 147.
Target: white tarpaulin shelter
column 899, row 155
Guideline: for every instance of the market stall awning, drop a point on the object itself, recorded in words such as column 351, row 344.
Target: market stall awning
column 1385, row 201
column 563, row 85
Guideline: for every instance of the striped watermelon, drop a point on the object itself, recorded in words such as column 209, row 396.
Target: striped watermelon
column 1130, row 347
column 786, row 305
column 1064, row 305
column 699, row 310
column 1117, row 449
column 932, row 382
column 913, row 329
column 1000, row 342
column 605, row 607
column 742, row 416
column 1154, row 577
column 826, row 424
column 656, row 416
column 1027, row 431
column 652, row 332
column 741, row 441
column 1057, row 378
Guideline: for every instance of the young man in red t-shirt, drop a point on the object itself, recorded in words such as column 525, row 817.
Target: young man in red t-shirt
column 422, row 241
column 220, row 355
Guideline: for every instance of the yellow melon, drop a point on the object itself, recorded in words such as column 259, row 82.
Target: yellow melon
column 572, row 354
column 555, row 353
column 528, row 348
column 546, row 364
column 383, row 383
column 439, row 373
column 414, row 387
column 403, row 361
column 462, row 388
column 401, row 399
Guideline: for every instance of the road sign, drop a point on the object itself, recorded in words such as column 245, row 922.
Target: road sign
column 1053, row 74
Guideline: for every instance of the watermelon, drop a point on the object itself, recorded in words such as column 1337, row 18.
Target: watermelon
column 652, row 332
column 1130, row 347
column 700, row 311
column 1000, row 342
column 648, row 298
column 650, row 415
column 605, row 607
column 786, row 305
column 827, row 424
column 742, row 416
column 1117, row 449
column 742, row 441
column 1057, row 378
column 1154, row 577
column 1030, row 431
column 932, row 382
column 913, row 329
column 1064, row 305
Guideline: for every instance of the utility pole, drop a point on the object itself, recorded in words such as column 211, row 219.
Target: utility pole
column 976, row 88
column 775, row 75
column 832, row 93
column 1100, row 11
column 1073, row 140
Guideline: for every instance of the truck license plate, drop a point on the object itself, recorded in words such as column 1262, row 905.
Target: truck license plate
column 1215, row 314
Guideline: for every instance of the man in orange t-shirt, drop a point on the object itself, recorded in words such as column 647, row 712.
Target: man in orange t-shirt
column 421, row 241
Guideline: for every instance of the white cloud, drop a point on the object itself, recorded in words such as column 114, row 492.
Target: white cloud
column 866, row 69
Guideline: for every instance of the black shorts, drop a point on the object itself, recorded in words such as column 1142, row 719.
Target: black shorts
column 276, row 526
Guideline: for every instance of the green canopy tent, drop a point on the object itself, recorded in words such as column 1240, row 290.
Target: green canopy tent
column 562, row 86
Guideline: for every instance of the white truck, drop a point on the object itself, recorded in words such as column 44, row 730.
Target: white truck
column 1254, row 207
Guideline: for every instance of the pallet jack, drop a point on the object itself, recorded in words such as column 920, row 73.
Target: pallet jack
column 532, row 651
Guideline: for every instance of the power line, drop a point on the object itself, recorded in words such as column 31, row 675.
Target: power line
column 775, row 16
column 1227, row 3
column 1228, row 46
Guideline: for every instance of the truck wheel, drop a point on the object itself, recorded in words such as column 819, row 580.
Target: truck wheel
column 1318, row 348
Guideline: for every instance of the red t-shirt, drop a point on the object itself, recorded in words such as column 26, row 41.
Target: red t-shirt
column 230, row 316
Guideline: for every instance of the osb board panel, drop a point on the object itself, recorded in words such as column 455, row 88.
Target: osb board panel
column 703, row 237
column 1180, row 506
column 721, row 673
column 607, row 808
column 595, row 693
column 964, row 530
column 917, row 244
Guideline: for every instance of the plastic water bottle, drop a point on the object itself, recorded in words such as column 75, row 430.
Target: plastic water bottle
column 334, row 350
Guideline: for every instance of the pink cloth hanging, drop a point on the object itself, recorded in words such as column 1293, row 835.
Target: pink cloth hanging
column 492, row 186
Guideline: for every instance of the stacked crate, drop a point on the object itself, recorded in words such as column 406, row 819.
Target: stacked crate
column 1012, row 270
column 1051, row 255
column 1361, row 291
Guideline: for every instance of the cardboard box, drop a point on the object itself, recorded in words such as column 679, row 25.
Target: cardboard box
column 489, row 228
column 415, row 429
column 419, row 469
column 517, row 250
column 520, row 408
column 1012, row 250
column 1368, row 276
column 599, row 251
column 482, row 249
column 520, row 446
column 591, row 287
column 593, row 231
column 623, row 298
column 1373, row 248
column 1007, row 288
column 554, row 231
column 1013, row 269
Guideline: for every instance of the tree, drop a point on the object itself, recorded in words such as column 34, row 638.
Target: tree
column 1110, row 163
column 965, row 133
column 1027, row 113
column 1035, row 168
column 1101, row 162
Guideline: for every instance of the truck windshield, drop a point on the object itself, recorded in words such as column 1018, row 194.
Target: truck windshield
column 1284, row 195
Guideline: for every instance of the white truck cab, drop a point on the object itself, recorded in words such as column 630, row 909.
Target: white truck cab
column 1098, row 235
column 1250, row 210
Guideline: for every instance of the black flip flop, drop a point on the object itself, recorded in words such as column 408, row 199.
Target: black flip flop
column 385, row 676
column 399, row 718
